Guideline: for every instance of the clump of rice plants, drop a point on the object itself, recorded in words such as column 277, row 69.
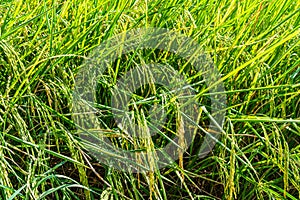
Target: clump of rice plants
column 254, row 45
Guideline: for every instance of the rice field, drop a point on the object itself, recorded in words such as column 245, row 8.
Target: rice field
column 253, row 45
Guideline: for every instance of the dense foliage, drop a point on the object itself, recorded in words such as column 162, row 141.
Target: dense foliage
column 254, row 44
